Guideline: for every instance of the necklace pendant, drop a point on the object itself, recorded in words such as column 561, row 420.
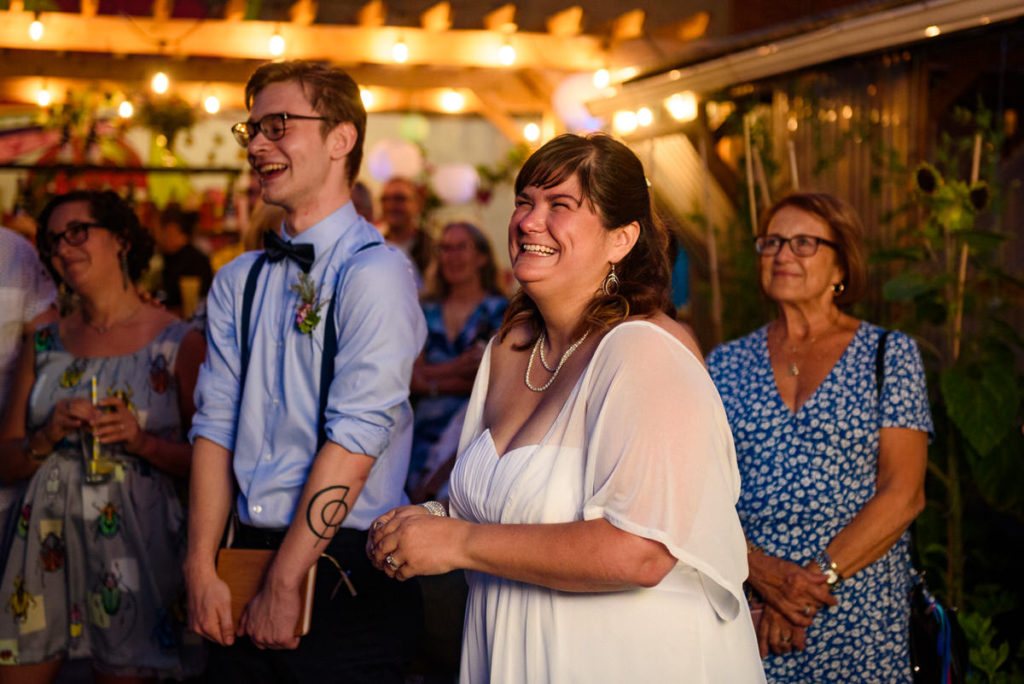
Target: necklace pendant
column 793, row 370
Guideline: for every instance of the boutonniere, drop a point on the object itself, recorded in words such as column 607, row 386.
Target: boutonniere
column 307, row 311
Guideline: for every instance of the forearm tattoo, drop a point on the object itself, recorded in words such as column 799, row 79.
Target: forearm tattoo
column 327, row 509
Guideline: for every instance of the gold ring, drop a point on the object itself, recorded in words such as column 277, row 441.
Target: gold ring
column 786, row 640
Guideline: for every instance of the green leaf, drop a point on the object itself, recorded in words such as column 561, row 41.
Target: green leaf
column 982, row 401
column 907, row 285
column 981, row 240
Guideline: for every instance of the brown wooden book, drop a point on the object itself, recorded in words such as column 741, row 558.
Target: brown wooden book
column 243, row 571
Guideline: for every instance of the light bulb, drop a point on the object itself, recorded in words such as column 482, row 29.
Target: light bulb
column 400, row 52
column 43, row 97
column 367, row 97
column 211, row 104
column 644, row 116
column 452, row 101
column 35, row 29
column 125, row 110
column 160, row 83
column 601, row 78
column 276, row 45
column 507, row 55
column 531, row 132
column 682, row 106
column 624, row 121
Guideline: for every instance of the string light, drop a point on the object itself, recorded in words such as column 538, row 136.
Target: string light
column 452, row 101
column 601, row 78
column 932, row 31
column 125, row 110
column 624, row 121
column 682, row 106
column 43, row 97
column 531, row 132
column 366, row 96
column 400, row 52
column 644, row 116
column 211, row 104
column 160, row 83
column 507, row 55
column 276, row 44
column 35, row 29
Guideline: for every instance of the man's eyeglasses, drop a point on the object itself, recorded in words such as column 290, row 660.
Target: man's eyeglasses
column 800, row 245
column 76, row 233
column 272, row 126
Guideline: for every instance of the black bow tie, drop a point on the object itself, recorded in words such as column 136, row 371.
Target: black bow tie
column 276, row 249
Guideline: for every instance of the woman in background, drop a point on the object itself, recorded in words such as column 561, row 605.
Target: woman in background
column 94, row 570
column 463, row 308
column 832, row 464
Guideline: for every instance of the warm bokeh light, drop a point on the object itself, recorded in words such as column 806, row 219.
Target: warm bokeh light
column 452, row 101
column 932, row 31
column 601, row 78
column 531, row 132
column 624, row 122
column 125, row 110
column 367, row 97
column 682, row 106
column 43, row 97
column 400, row 52
column 211, row 104
column 160, row 83
column 644, row 116
column 276, row 45
column 507, row 55
column 35, row 30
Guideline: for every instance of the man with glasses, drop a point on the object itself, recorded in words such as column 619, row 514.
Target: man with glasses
column 303, row 423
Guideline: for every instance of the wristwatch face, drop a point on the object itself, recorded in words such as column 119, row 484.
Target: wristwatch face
column 831, row 577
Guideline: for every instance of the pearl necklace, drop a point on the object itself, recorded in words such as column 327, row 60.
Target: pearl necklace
column 561, row 362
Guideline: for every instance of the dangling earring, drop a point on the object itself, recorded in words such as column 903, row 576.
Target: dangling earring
column 125, row 280
column 838, row 288
column 610, row 286
column 65, row 299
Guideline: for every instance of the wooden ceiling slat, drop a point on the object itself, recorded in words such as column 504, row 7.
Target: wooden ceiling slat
column 502, row 20
column 567, row 23
column 372, row 14
column 162, row 9
column 88, row 8
column 303, row 12
column 628, row 26
column 437, row 18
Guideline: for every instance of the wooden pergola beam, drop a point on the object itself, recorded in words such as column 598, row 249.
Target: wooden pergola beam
column 336, row 43
column 490, row 108
column 437, row 18
column 372, row 14
column 502, row 20
column 303, row 12
column 567, row 23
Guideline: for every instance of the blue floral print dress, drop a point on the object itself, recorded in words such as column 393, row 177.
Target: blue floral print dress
column 94, row 570
column 805, row 475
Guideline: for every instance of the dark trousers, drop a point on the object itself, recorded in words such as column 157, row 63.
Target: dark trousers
column 368, row 638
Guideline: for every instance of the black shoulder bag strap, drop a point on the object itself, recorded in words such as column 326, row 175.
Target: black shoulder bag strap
column 880, row 367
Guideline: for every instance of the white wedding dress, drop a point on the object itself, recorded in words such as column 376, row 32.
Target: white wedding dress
column 643, row 442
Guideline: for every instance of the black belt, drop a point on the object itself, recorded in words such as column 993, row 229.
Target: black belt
column 249, row 537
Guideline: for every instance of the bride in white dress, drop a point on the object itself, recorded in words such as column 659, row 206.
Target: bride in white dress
column 592, row 502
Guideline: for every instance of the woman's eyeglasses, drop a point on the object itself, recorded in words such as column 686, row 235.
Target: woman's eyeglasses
column 800, row 245
column 75, row 234
column 272, row 126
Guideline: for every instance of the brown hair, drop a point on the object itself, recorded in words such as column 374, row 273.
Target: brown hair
column 613, row 184
column 488, row 273
column 114, row 214
column 331, row 92
column 846, row 228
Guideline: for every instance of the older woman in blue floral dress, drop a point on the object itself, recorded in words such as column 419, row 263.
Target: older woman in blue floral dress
column 832, row 464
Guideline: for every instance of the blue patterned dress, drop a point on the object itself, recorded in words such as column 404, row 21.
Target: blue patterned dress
column 434, row 413
column 807, row 474
column 94, row 570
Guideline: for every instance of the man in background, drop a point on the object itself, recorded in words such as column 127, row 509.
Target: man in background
column 183, row 262
column 401, row 206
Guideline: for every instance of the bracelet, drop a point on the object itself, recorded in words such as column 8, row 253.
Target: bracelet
column 37, row 455
column 829, row 568
column 435, row 508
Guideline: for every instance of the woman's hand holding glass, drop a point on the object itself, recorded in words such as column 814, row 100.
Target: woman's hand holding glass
column 117, row 424
column 67, row 417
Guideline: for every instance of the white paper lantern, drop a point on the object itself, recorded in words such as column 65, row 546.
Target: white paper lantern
column 455, row 183
column 569, row 101
column 391, row 158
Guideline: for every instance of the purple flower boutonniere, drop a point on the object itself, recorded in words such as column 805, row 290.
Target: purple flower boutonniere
column 307, row 312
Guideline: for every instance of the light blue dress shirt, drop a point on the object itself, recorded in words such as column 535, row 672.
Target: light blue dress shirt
column 380, row 333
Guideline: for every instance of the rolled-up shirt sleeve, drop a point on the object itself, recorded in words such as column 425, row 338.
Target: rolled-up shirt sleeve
column 217, row 388
column 381, row 331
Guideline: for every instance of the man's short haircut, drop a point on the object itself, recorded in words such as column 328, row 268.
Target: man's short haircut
column 331, row 92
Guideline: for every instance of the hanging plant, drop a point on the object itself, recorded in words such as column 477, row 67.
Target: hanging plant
column 167, row 117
